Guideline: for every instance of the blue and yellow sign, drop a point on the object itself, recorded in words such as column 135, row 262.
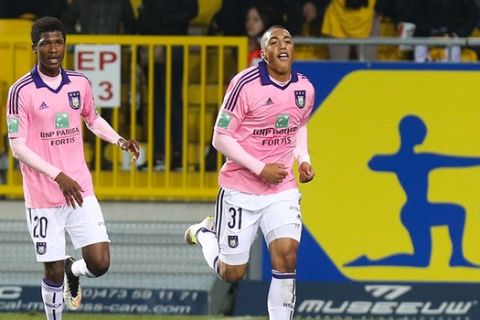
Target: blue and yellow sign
column 397, row 190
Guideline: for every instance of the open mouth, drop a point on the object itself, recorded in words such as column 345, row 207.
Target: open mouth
column 283, row 56
column 53, row 59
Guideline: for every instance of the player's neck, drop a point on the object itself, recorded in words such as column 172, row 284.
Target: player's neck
column 52, row 73
column 281, row 82
column 51, row 81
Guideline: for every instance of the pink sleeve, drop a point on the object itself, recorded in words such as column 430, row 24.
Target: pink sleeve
column 102, row 129
column 230, row 116
column 310, row 103
column 89, row 113
column 233, row 109
column 301, row 149
column 227, row 145
column 17, row 122
column 23, row 153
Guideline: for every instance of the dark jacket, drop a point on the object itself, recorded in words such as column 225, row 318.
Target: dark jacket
column 39, row 8
column 444, row 17
column 166, row 17
column 397, row 10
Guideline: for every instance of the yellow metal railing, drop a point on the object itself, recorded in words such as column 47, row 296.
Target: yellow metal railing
column 209, row 63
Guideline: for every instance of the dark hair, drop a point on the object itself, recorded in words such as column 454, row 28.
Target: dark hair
column 46, row 24
column 267, row 14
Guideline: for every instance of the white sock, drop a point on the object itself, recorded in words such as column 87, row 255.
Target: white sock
column 52, row 295
column 79, row 268
column 281, row 296
column 209, row 243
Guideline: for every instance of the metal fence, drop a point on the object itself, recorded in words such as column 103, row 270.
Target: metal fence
column 209, row 63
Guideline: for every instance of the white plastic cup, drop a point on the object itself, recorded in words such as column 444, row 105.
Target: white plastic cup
column 406, row 30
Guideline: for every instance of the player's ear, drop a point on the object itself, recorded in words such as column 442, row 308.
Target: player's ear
column 34, row 48
column 262, row 55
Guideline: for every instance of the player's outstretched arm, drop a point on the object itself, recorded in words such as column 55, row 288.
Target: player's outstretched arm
column 102, row 129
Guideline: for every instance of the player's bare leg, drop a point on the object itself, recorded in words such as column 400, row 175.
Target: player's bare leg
column 231, row 273
column 95, row 262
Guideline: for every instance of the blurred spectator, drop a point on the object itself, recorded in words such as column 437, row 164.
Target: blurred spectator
column 445, row 19
column 305, row 17
column 230, row 18
column 167, row 17
column 351, row 19
column 100, row 17
column 32, row 9
column 259, row 18
column 396, row 10
column 398, row 13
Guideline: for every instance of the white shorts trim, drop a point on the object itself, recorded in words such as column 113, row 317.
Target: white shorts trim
column 293, row 231
column 85, row 225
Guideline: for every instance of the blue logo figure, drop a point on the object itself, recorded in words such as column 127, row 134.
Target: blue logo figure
column 418, row 215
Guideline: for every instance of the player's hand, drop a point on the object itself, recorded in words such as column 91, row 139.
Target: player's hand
column 305, row 172
column 274, row 172
column 132, row 146
column 71, row 190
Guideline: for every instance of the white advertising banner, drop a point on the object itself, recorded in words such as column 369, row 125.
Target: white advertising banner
column 102, row 65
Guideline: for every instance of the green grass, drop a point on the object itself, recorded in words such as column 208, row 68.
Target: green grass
column 72, row 316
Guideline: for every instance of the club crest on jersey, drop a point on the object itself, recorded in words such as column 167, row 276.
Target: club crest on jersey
column 233, row 241
column 74, row 99
column 41, row 247
column 300, row 98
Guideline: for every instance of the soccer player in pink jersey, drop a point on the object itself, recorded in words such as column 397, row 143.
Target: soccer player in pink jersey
column 261, row 129
column 45, row 109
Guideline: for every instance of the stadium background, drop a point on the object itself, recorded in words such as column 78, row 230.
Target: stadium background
column 349, row 210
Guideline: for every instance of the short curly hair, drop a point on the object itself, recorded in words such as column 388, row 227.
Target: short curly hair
column 46, row 24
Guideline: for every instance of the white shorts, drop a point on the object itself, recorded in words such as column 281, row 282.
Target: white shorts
column 238, row 216
column 85, row 225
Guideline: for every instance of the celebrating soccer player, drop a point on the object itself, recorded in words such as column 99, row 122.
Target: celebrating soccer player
column 261, row 129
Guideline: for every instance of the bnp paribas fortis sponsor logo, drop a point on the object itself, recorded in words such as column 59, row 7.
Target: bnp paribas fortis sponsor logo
column 282, row 121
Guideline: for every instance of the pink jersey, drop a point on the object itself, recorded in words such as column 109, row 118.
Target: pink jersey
column 263, row 118
column 51, row 122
